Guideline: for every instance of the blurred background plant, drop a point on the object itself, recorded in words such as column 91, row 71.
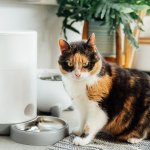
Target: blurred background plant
column 116, row 13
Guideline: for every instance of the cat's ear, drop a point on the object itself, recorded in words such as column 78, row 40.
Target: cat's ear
column 91, row 42
column 63, row 45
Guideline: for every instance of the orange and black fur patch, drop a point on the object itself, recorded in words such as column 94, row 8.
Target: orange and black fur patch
column 78, row 49
column 127, row 103
column 124, row 94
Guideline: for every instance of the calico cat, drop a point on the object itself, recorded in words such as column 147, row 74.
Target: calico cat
column 109, row 98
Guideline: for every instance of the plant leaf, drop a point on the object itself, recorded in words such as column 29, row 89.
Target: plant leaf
column 104, row 11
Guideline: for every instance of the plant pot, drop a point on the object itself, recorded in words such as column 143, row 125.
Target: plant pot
column 105, row 40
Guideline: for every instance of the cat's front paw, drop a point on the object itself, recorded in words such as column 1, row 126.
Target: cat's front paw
column 77, row 131
column 134, row 140
column 81, row 141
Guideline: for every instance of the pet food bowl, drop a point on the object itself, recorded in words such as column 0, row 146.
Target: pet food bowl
column 44, row 130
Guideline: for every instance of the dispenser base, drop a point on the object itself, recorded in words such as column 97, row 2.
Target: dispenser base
column 4, row 129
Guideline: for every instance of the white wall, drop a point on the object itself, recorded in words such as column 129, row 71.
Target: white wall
column 146, row 27
column 43, row 19
column 142, row 58
column 142, row 55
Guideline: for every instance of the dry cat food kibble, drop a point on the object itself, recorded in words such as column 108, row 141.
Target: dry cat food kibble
column 41, row 125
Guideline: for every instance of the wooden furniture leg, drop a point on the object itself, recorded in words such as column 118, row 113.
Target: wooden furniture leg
column 85, row 30
column 119, row 47
column 129, row 51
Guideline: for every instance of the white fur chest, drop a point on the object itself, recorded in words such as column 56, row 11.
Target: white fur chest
column 75, row 89
column 90, row 113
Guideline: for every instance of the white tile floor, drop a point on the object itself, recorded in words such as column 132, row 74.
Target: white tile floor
column 7, row 144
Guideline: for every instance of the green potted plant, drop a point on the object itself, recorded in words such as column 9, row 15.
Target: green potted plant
column 101, row 15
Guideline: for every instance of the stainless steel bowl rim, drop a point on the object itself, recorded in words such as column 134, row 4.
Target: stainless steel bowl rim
column 52, row 131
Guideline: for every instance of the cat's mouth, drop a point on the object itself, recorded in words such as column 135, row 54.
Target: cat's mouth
column 77, row 79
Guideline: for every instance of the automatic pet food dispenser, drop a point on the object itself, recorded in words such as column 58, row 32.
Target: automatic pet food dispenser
column 51, row 95
column 17, row 78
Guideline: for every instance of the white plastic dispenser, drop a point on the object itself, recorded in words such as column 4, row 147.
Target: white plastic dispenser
column 18, row 59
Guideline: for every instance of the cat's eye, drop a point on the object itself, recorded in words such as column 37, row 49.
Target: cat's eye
column 85, row 64
column 70, row 64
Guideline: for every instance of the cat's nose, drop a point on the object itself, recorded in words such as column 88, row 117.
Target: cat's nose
column 77, row 75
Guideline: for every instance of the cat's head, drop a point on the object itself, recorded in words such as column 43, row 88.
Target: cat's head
column 79, row 60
